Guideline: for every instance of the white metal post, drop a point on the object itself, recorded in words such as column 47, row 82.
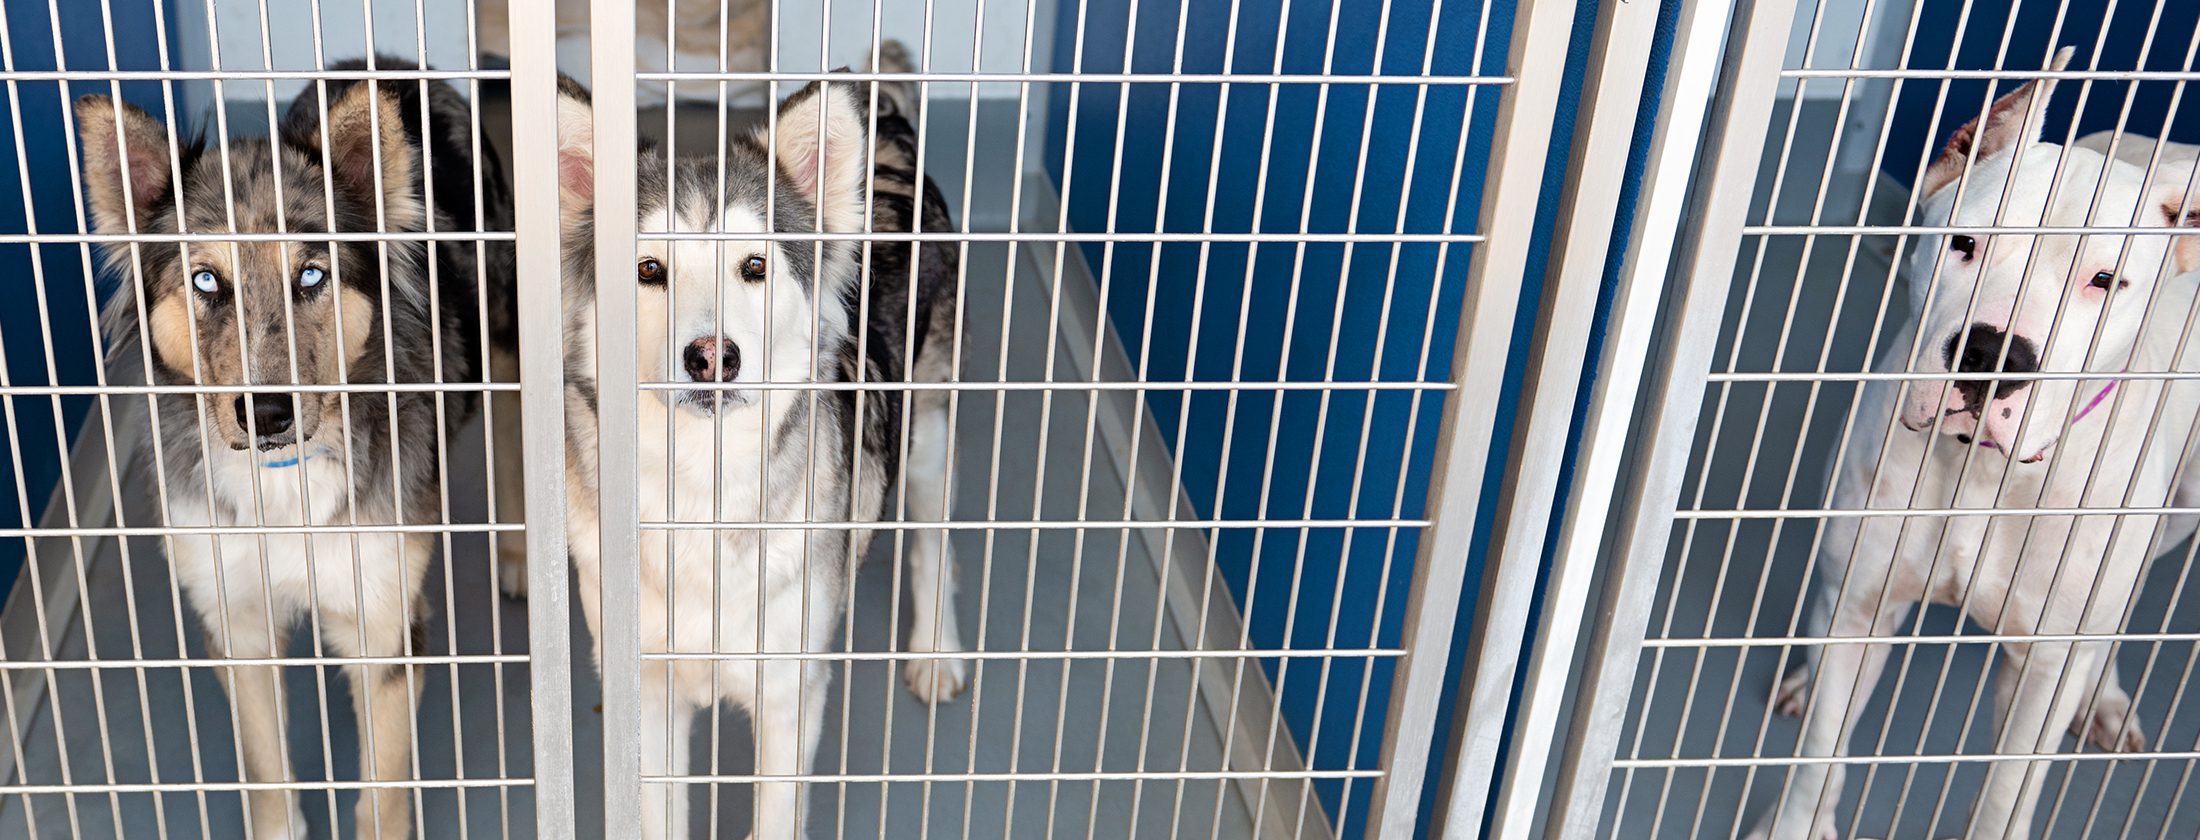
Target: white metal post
column 1749, row 81
column 1541, row 32
column 542, row 398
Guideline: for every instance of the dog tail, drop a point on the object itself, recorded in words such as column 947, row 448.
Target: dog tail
column 893, row 57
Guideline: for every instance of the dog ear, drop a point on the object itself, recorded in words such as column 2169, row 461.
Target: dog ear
column 364, row 121
column 823, row 146
column 121, row 141
column 2012, row 123
column 576, row 150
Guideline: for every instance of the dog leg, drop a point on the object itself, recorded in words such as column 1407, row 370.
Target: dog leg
column 1792, row 695
column 257, row 694
column 666, row 733
column 789, row 710
column 384, row 698
column 1846, row 674
column 933, row 627
column 510, row 478
column 2035, row 704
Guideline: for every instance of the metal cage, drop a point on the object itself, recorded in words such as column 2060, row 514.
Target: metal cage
column 1795, row 280
column 1210, row 473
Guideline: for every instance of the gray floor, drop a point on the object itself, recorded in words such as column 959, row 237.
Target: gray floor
column 1020, row 591
column 1728, row 580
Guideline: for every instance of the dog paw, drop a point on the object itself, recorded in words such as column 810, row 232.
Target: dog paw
column 512, row 574
column 1792, row 696
column 291, row 826
column 2111, row 727
column 935, row 681
column 1824, row 830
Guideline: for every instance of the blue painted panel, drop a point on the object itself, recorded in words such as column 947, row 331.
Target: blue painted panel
column 1917, row 133
column 1297, row 158
column 36, row 161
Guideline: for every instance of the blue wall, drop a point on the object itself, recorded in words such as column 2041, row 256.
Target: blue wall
column 41, row 425
column 2033, row 37
column 1312, row 468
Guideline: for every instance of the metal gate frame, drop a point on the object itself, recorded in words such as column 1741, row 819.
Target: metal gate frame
column 1596, row 173
column 1627, row 543
column 542, row 415
column 1530, row 95
column 1467, row 435
column 1738, row 121
column 1515, row 167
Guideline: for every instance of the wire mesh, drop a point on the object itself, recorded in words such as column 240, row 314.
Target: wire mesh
column 1143, row 626
column 1877, row 614
column 206, row 471
column 286, row 359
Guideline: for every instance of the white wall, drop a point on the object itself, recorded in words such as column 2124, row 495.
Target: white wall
column 954, row 34
column 1836, row 25
column 288, row 42
column 283, row 39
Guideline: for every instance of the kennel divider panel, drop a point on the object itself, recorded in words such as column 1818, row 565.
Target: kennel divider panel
column 618, row 517
column 1467, row 432
column 1596, row 172
column 539, row 265
column 1865, row 112
column 1707, row 252
column 71, row 539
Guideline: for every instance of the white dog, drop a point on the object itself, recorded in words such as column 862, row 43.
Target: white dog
column 2003, row 306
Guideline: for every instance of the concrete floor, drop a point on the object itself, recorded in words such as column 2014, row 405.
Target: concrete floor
column 1728, row 579
column 1021, row 590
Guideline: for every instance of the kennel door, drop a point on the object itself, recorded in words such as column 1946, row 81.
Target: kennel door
column 1787, row 305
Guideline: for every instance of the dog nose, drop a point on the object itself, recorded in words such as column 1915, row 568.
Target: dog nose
column 712, row 359
column 1989, row 349
column 269, row 414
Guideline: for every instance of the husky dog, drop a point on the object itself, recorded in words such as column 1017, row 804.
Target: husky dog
column 728, row 313
column 2083, row 310
column 251, row 318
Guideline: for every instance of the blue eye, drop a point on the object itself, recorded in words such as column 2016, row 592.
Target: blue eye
column 309, row 278
column 205, row 281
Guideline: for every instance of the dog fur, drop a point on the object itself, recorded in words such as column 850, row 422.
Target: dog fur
column 2097, row 304
column 734, row 454
column 370, row 317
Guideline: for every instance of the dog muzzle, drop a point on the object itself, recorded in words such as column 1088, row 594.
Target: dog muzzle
column 2099, row 397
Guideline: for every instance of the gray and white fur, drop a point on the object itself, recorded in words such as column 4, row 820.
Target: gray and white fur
column 724, row 313
column 258, row 316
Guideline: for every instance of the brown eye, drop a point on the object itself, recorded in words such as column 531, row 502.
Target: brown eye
column 1964, row 245
column 2103, row 280
column 752, row 269
column 650, row 271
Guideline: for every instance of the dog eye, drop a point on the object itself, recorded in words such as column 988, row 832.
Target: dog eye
column 752, row 269
column 2103, row 280
column 206, row 282
column 1964, row 245
column 650, row 271
column 310, row 277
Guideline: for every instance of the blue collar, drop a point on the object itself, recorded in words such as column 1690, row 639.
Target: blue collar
column 292, row 461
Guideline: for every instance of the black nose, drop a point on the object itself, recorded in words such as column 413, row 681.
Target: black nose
column 712, row 359
column 270, row 414
column 1988, row 349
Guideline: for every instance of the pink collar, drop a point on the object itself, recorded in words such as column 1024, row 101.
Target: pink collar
column 2088, row 409
column 2095, row 402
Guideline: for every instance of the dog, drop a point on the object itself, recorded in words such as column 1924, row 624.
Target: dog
column 723, row 315
column 256, row 317
column 2012, row 305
